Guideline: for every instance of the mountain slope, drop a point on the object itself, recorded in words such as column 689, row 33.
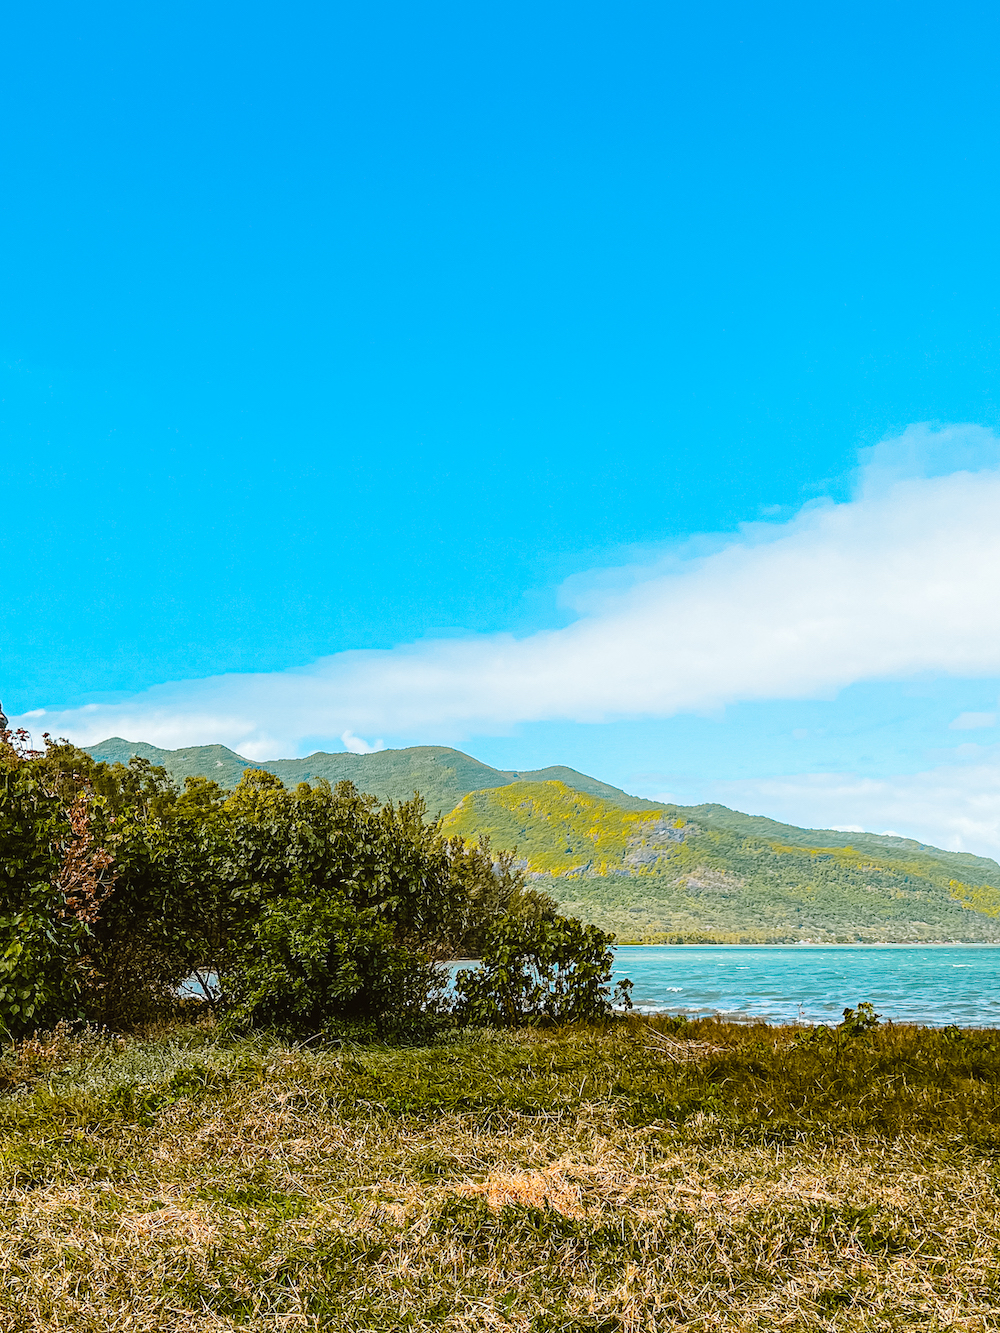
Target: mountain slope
column 704, row 872
column 650, row 871
column 441, row 775
column 560, row 831
column 208, row 761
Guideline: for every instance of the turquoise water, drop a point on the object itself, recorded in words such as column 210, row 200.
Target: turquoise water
column 933, row 984
column 930, row 984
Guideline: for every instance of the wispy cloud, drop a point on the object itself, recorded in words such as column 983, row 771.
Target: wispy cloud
column 952, row 805
column 973, row 721
column 357, row 746
column 903, row 578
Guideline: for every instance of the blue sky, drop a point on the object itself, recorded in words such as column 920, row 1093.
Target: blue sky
column 343, row 329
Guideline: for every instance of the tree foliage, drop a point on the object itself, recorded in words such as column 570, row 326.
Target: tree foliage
column 298, row 910
column 50, row 888
column 543, row 968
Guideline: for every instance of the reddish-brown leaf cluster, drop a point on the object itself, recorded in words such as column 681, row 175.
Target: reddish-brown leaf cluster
column 84, row 877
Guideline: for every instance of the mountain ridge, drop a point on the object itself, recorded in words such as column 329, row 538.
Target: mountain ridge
column 441, row 774
column 650, row 870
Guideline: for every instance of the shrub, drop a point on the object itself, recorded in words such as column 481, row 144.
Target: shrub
column 340, row 908
column 541, row 968
column 313, row 908
column 312, row 964
column 48, row 880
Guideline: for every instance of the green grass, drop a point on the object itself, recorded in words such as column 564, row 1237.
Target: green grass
column 639, row 1176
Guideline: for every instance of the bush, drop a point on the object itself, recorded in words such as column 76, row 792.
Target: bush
column 46, row 896
column 313, row 965
column 340, row 909
column 313, row 908
column 543, row 968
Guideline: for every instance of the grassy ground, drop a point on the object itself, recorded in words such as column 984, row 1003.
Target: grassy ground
column 635, row 1177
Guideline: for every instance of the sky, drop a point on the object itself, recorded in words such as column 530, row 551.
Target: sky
column 606, row 385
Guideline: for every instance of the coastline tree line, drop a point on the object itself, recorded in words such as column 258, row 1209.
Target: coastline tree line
column 313, row 910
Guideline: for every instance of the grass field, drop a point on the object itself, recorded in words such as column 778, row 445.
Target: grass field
column 639, row 1176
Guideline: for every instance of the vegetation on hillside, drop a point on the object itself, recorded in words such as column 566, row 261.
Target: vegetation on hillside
column 653, row 872
column 442, row 776
column 559, row 831
column 620, row 1178
column 672, row 874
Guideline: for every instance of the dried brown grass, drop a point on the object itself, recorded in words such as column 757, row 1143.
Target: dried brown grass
column 189, row 1184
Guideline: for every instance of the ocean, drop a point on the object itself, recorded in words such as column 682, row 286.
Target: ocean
column 926, row 983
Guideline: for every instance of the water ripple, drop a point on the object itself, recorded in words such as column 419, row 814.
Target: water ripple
column 930, row 984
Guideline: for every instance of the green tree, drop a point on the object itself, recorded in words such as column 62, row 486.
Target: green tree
column 545, row 968
column 50, row 886
column 342, row 908
column 313, row 908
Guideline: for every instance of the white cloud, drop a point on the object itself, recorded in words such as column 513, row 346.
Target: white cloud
column 357, row 746
column 902, row 579
column 955, row 806
column 973, row 721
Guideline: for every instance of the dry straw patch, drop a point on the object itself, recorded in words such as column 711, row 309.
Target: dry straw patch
column 532, row 1189
column 171, row 1225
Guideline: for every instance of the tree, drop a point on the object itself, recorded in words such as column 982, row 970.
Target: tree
column 313, row 908
column 542, row 968
column 341, row 908
column 53, row 875
column 345, row 908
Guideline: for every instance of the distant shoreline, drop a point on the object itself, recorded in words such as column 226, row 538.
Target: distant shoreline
column 821, row 944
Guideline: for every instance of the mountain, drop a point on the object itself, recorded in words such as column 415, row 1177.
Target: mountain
column 209, row 761
column 687, row 873
column 655, row 872
column 441, row 775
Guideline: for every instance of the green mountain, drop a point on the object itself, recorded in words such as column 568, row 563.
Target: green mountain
column 441, row 775
column 654, row 872
column 210, row 761
column 679, row 874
